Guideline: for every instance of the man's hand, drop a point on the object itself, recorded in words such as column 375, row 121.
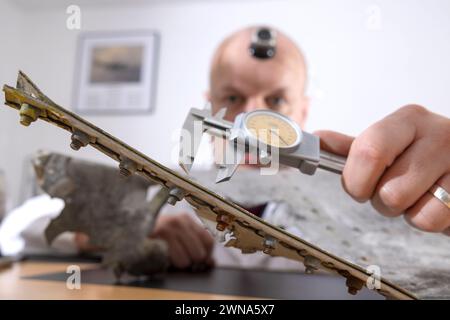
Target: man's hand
column 395, row 162
column 189, row 243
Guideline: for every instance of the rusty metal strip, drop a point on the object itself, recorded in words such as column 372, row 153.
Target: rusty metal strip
column 249, row 232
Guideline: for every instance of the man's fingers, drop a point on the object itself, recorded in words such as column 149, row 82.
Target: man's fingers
column 334, row 142
column 205, row 237
column 429, row 213
column 191, row 242
column 409, row 177
column 178, row 255
column 188, row 242
column 396, row 161
column 375, row 150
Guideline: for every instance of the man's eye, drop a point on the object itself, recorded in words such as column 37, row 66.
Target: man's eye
column 233, row 99
column 275, row 101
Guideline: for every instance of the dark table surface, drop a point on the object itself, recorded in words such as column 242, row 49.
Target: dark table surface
column 224, row 281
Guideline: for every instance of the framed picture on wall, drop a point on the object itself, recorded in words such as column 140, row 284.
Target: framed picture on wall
column 116, row 72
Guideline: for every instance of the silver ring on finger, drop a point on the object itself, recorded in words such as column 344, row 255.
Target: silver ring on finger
column 441, row 194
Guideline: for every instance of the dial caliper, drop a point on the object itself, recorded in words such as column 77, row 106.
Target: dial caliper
column 271, row 136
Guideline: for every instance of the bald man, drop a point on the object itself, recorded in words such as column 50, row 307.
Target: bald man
column 394, row 163
column 244, row 83
column 241, row 83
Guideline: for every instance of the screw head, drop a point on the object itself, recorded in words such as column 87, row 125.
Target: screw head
column 28, row 114
column 311, row 264
column 124, row 171
column 75, row 144
column 309, row 270
column 25, row 120
column 172, row 200
column 352, row 291
column 269, row 245
column 221, row 226
column 354, row 285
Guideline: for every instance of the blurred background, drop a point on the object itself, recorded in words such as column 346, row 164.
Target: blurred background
column 366, row 58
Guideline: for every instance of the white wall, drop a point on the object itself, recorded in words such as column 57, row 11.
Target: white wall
column 357, row 74
column 10, row 33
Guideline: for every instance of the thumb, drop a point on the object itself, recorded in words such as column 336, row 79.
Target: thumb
column 334, row 142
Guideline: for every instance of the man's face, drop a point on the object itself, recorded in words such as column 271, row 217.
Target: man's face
column 242, row 83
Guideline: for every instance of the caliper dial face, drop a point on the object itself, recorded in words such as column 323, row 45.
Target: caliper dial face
column 272, row 129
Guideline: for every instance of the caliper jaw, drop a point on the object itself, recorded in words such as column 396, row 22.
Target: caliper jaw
column 190, row 137
column 198, row 122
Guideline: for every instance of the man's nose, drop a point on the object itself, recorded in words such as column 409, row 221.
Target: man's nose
column 254, row 104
